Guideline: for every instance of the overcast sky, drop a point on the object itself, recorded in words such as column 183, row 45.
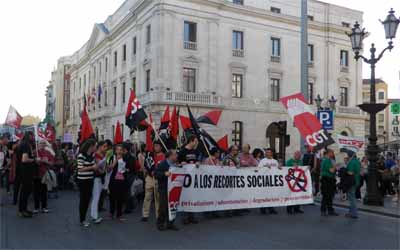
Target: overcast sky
column 36, row 33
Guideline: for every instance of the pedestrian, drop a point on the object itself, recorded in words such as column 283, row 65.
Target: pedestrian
column 328, row 183
column 150, row 182
column 294, row 162
column 310, row 159
column 29, row 168
column 363, row 173
column 45, row 161
column 258, row 154
column 353, row 169
column 162, row 173
column 269, row 162
column 232, row 160
column 98, row 181
column 86, row 168
column 189, row 154
column 16, row 172
column 130, row 160
column 117, row 185
column 104, row 187
column 245, row 158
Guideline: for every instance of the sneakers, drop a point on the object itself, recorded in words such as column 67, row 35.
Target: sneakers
column 25, row 214
column 85, row 224
column 122, row 219
column 97, row 221
column 45, row 211
column 35, row 211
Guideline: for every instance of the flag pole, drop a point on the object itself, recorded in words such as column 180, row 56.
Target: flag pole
column 156, row 132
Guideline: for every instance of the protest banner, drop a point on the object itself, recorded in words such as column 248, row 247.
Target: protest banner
column 306, row 122
column 350, row 143
column 214, row 188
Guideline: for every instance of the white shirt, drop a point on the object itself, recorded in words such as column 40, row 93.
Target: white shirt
column 272, row 163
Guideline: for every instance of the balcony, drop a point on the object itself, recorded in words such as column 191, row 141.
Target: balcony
column 180, row 98
column 238, row 53
column 344, row 69
column 276, row 59
column 190, row 45
column 349, row 111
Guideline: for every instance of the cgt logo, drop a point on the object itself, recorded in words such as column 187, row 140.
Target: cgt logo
column 317, row 138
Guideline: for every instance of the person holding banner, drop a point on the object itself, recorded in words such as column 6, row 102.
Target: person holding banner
column 162, row 173
column 214, row 159
column 189, row 154
column 246, row 159
column 294, row 162
column 269, row 162
column 328, row 183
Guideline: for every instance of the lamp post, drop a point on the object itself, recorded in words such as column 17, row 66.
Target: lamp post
column 357, row 36
column 331, row 101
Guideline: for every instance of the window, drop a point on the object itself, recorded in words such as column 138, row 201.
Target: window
column 237, row 83
column 147, row 80
column 94, row 72
column 105, row 98
column 238, row 2
column 100, row 68
column 275, row 90
column 310, row 53
column 124, row 53
column 189, row 80
column 343, row 96
column 113, row 131
column 134, row 45
column 310, row 18
column 276, row 47
column 310, row 93
column 237, row 133
column 134, row 84
column 381, row 95
column 123, row 92
column 381, row 117
column 106, row 67
column 344, row 58
column 190, row 35
column 346, row 25
column 115, row 96
column 115, row 58
column 122, row 130
column 148, row 34
column 80, row 84
column 237, row 40
column 275, row 10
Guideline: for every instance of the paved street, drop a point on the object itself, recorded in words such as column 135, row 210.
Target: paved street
column 60, row 230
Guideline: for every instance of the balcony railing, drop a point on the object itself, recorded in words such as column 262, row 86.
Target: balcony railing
column 344, row 69
column 203, row 99
column 190, row 45
column 276, row 59
column 238, row 52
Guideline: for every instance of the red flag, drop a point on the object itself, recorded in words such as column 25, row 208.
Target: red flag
column 211, row 117
column 86, row 126
column 164, row 123
column 50, row 133
column 185, row 122
column 13, row 119
column 149, row 136
column 223, row 143
column 174, row 125
column 118, row 134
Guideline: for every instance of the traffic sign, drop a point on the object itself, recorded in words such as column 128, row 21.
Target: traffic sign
column 395, row 108
column 326, row 119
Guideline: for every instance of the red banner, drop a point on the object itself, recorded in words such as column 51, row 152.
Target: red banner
column 306, row 122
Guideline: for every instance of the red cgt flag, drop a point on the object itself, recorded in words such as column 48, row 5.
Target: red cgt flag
column 118, row 139
column 13, row 119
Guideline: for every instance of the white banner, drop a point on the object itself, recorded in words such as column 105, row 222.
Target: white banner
column 350, row 143
column 213, row 188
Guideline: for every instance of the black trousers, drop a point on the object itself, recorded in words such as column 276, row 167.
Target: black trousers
column 40, row 194
column 358, row 190
column 85, row 194
column 26, row 190
column 17, row 187
column 117, row 197
column 292, row 209
column 315, row 181
column 328, row 188
column 263, row 210
column 163, row 214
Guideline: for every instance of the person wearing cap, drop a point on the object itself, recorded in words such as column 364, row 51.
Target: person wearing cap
column 151, row 183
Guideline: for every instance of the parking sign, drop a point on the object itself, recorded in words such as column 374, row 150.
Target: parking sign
column 326, row 119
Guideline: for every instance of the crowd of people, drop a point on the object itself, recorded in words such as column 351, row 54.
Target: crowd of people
column 126, row 174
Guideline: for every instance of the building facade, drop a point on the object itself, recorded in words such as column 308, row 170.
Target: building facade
column 382, row 118
column 238, row 56
column 50, row 102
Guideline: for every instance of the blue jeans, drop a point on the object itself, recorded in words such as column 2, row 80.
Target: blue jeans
column 351, row 196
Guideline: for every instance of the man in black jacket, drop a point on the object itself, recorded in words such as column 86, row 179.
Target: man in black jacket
column 162, row 173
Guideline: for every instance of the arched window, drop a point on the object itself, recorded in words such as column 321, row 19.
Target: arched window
column 344, row 133
column 237, row 133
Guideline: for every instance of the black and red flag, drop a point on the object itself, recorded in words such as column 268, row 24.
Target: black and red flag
column 211, row 117
column 149, row 135
column 223, row 143
column 135, row 113
column 165, row 119
column 174, row 125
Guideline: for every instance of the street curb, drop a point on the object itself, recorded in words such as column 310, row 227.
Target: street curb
column 368, row 210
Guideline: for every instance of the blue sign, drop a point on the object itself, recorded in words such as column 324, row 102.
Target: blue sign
column 326, row 119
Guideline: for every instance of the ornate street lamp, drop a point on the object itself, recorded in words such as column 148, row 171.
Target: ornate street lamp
column 318, row 102
column 332, row 103
column 373, row 196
